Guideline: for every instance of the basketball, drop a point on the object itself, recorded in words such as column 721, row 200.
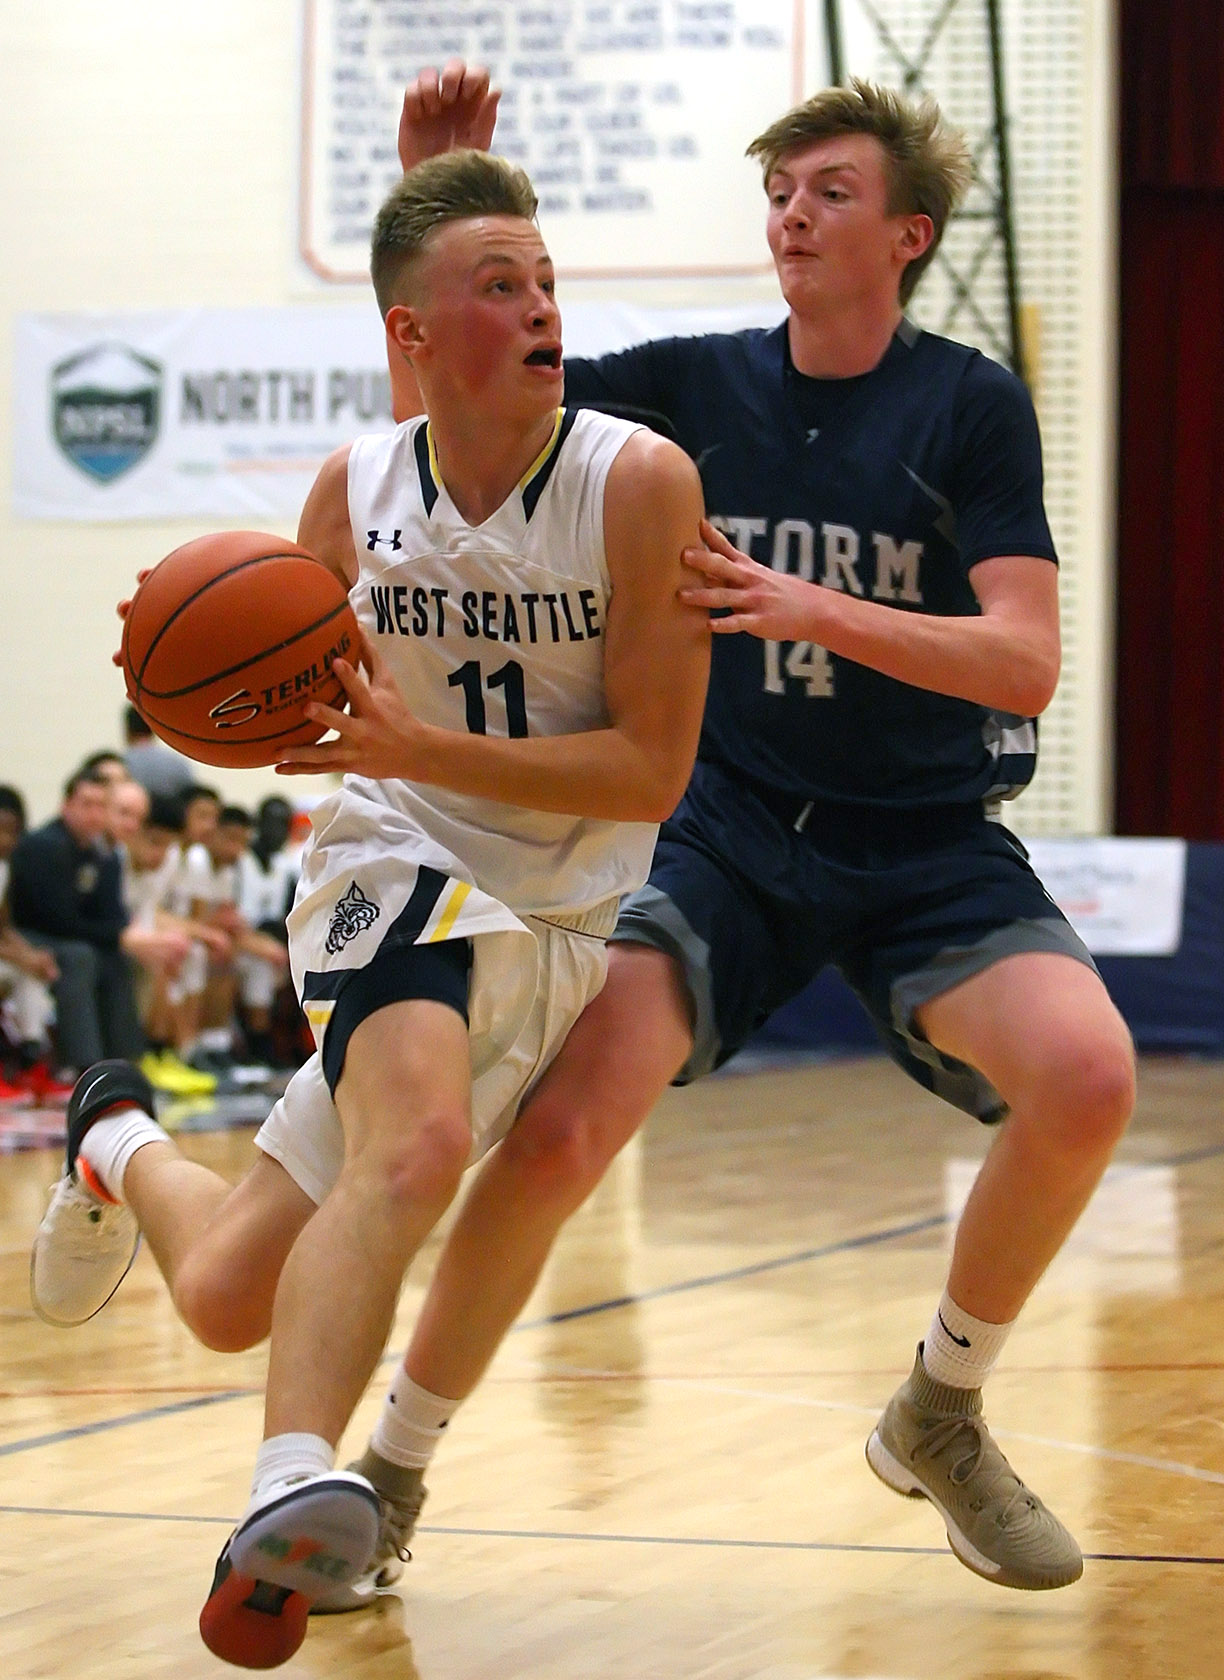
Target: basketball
column 228, row 638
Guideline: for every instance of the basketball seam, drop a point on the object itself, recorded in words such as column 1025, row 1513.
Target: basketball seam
column 209, row 583
column 233, row 670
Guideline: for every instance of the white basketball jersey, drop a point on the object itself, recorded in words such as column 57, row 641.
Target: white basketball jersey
column 494, row 629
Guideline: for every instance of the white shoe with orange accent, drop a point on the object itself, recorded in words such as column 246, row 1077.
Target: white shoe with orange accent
column 309, row 1539
column 86, row 1242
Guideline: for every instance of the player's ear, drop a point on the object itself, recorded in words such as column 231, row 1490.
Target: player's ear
column 917, row 233
column 404, row 331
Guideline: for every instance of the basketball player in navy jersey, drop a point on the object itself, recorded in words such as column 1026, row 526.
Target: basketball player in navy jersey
column 886, row 585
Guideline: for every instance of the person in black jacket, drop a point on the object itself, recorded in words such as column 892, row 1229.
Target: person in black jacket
column 64, row 893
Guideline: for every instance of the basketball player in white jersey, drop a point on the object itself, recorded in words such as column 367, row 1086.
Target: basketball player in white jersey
column 531, row 712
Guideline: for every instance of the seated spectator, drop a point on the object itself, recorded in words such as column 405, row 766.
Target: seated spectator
column 199, row 806
column 267, row 876
column 128, row 808
column 146, row 832
column 106, row 765
column 64, row 893
column 157, row 767
column 212, row 874
column 27, row 1009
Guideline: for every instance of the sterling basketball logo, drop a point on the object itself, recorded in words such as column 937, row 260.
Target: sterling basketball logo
column 353, row 914
column 106, row 409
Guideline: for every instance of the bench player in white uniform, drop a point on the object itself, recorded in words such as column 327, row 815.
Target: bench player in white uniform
column 531, row 712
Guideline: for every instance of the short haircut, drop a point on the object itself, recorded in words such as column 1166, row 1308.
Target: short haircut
column 165, row 812
column 104, row 755
column 134, row 725
column 453, row 187
column 86, row 776
column 197, row 790
column 234, row 816
column 928, row 164
column 12, row 802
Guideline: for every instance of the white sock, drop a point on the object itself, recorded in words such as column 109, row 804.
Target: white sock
column 283, row 1459
column 961, row 1350
column 411, row 1423
column 109, row 1145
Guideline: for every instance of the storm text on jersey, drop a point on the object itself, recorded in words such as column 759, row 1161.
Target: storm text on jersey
column 837, row 556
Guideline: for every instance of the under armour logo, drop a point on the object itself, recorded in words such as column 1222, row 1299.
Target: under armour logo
column 393, row 541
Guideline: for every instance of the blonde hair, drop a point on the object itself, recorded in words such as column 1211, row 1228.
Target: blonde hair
column 449, row 188
column 927, row 163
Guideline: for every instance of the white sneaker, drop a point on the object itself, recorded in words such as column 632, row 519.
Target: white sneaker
column 82, row 1253
column 315, row 1536
column 85, row 1246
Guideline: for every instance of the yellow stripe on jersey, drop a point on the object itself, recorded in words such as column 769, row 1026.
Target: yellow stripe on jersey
column 447, row 912
column 318, row 1012
column 536, row 466
column 434, row 468
column 547, row 450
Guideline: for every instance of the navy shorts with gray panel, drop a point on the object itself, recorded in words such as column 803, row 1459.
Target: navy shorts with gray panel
column 754, row 892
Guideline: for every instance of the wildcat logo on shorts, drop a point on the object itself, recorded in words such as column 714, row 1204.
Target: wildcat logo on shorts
column 353, row 914
column 106, row 409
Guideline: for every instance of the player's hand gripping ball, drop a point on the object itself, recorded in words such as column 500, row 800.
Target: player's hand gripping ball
column 228, row 638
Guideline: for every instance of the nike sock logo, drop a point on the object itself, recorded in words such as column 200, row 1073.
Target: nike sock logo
column 961, row 1341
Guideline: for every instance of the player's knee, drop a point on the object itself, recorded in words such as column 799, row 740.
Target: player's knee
column 565, row 1151
column 222, row 1309
column 1089, row 1092
column 423, row 1165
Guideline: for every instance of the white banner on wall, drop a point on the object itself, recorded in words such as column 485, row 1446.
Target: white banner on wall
column 203, row 412
column 229, row 411
column 1123, row 897
column 630, row 116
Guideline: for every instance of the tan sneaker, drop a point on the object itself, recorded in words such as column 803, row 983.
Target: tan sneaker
column 401, row 1493
column 932, row 1443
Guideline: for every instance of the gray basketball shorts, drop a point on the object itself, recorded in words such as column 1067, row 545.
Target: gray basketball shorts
column 905, row 904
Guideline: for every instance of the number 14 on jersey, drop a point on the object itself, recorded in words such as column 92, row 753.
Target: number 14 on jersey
column 803, row 662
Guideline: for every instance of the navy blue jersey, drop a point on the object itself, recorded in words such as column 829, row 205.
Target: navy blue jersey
column 892, row 485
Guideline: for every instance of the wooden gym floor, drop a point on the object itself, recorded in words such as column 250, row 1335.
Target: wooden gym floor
column 662, row 1477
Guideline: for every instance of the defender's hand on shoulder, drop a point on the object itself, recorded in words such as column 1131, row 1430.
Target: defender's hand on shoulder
column 446, row 112
column 776, row 606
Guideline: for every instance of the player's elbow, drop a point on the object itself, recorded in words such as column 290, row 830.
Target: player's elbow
column 1038, row 682
column 1024, row 678
column 664, row 791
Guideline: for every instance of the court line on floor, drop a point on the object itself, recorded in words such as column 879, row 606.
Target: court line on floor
column 734, row 1274
column 844, row 1245
column 704, row 1541
column 103, row 1425
column 1087, row 1449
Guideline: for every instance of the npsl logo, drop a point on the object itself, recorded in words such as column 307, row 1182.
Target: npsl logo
column 106, row 409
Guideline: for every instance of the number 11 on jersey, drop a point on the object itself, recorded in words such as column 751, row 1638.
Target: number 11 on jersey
column 472, row 680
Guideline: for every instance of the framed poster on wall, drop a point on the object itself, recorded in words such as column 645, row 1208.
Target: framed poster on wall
column 630, row 116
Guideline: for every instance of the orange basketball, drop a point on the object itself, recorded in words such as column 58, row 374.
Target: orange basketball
column 228, row 638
